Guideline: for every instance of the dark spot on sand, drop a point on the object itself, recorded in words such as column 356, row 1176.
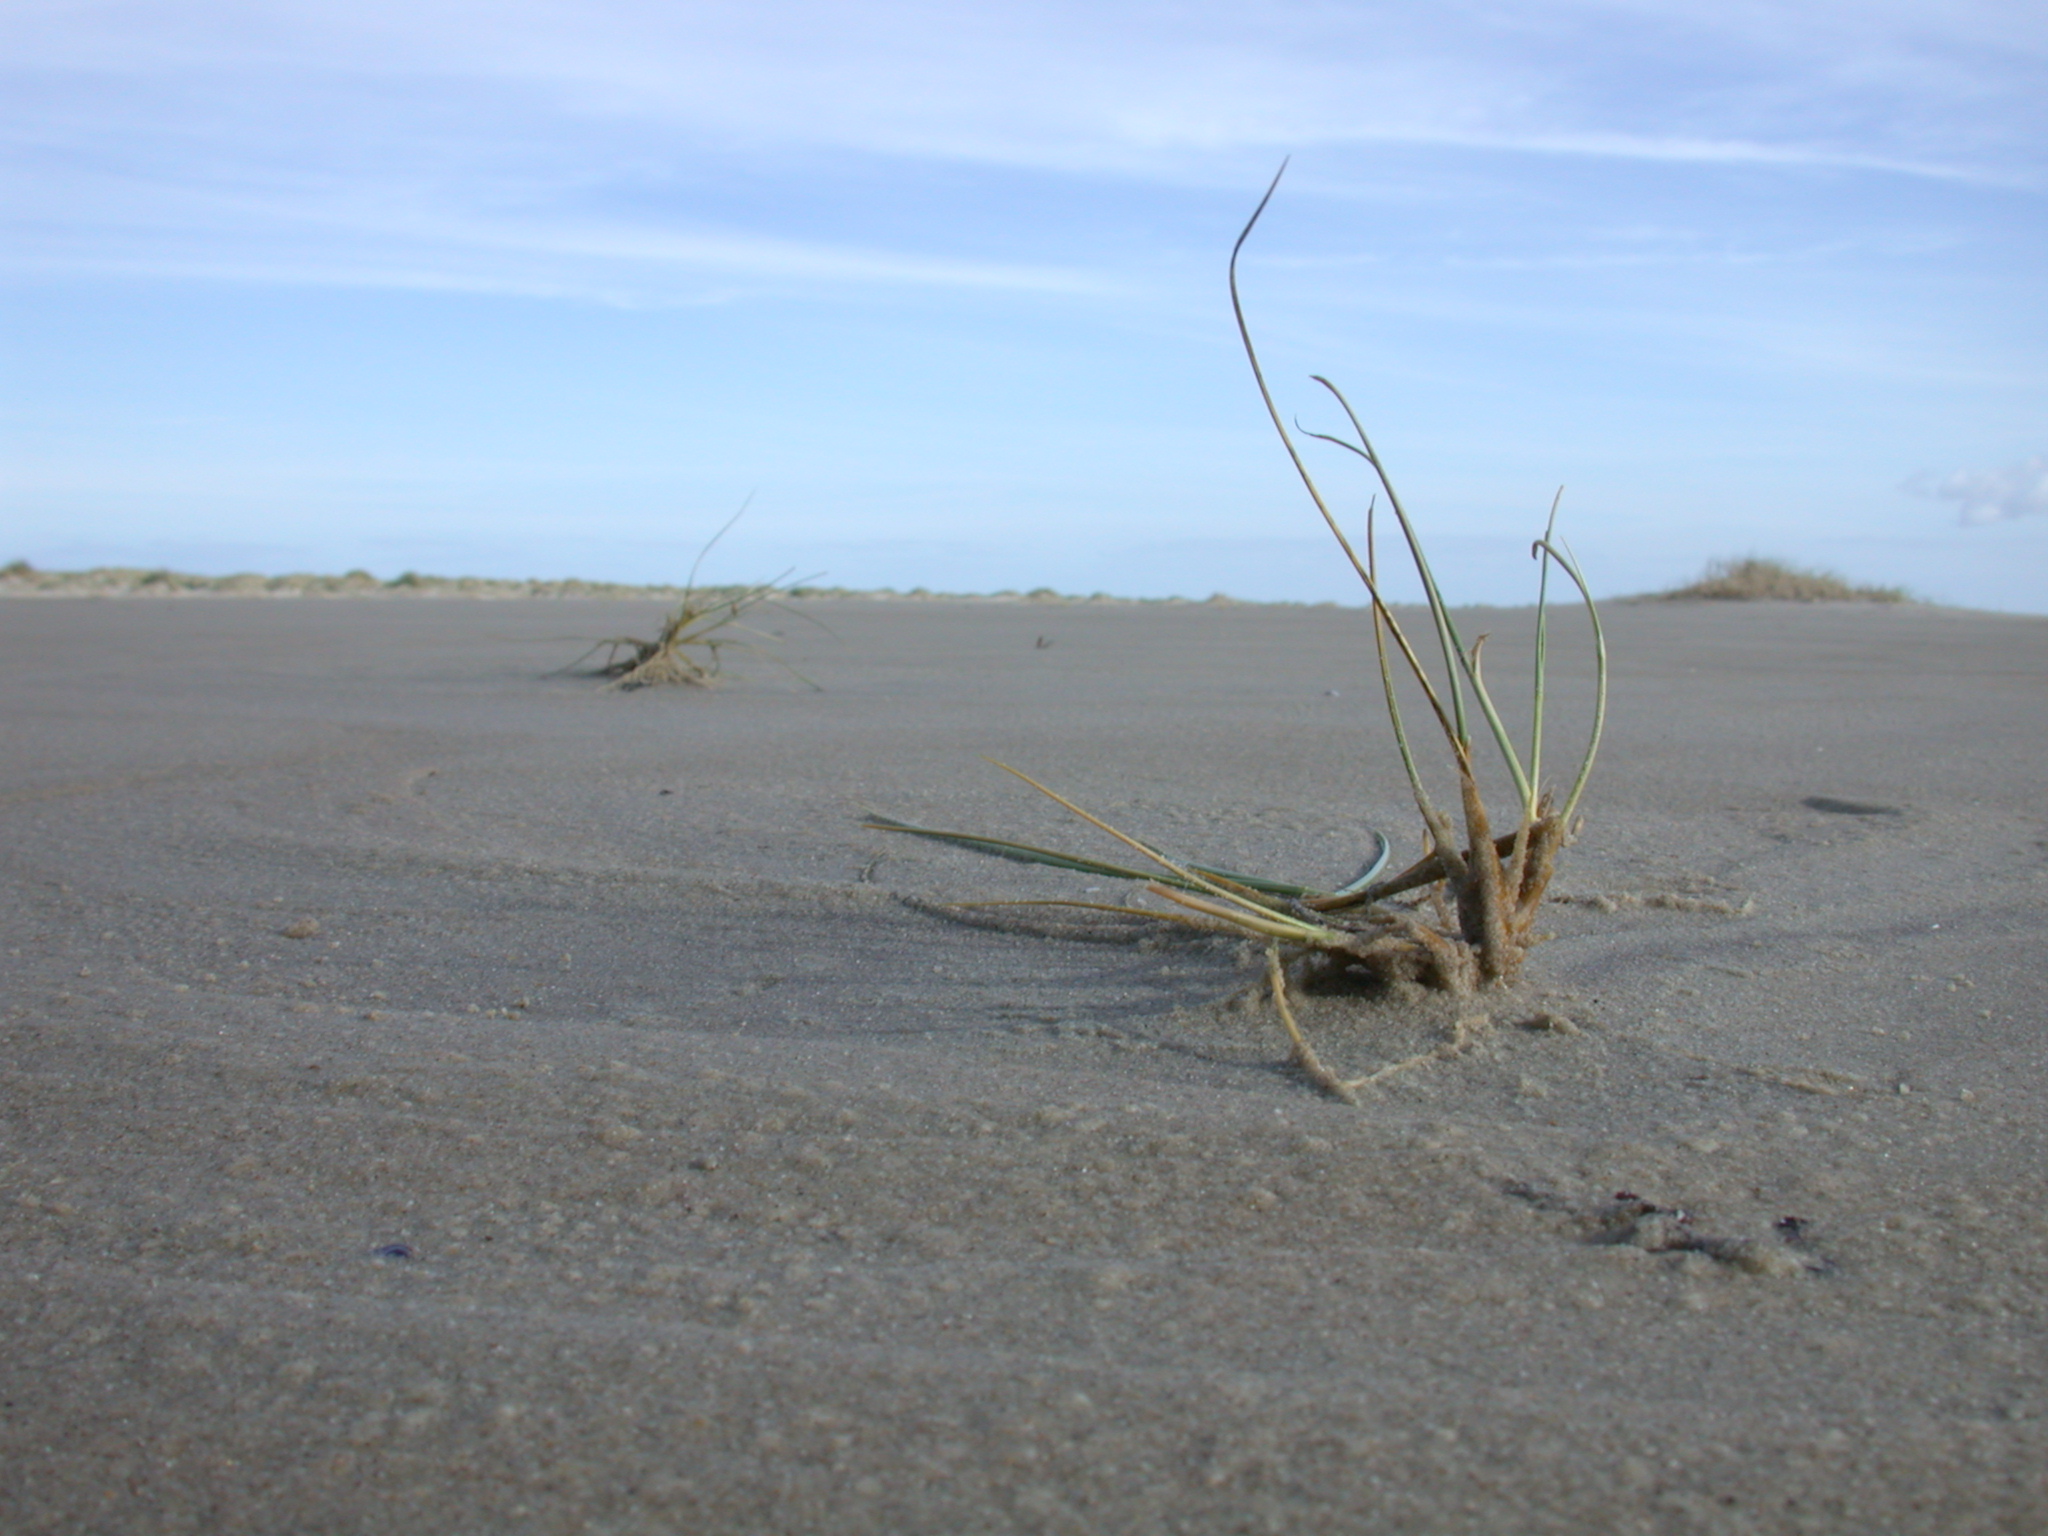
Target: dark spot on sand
column 1628, row 1220
column 1830, row 806
column 393, row 1251
column 1543, row 1199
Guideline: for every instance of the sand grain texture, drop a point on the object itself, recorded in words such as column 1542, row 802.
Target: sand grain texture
column 438, row 1096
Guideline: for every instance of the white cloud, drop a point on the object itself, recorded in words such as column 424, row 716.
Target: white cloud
column 1990, row 495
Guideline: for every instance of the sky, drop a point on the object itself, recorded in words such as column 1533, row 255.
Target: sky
column 545, row 289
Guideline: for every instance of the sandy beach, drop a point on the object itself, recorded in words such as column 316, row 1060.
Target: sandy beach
column 443, row 1095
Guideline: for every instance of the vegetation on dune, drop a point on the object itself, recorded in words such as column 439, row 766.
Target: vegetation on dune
column 1753, row 579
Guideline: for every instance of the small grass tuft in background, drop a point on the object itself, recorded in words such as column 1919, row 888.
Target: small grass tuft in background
column 1753, row 579
column 687, row 649
column 704, row 623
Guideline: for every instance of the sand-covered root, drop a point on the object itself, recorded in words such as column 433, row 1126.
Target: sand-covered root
column 1463, row 1034
column 667, row 659
column 1474, row 921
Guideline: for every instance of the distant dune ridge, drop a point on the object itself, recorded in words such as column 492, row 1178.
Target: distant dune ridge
column 21, row 579
column 1750, row 578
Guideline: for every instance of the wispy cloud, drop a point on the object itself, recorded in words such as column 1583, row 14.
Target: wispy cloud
column 1683, row 150
column 418, row 232
column 505, row 117
column 1917, row 87
column 1990, row 495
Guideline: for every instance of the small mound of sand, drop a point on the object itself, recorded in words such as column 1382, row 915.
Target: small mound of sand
column 1753, row 580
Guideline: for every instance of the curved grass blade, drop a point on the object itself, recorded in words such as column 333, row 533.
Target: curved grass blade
column 1447, row 633
column 1542, row 668
column 1453, row 727
column 1029, row 853
column 1022, row 853
column 1150, row 914
column 1563, row 556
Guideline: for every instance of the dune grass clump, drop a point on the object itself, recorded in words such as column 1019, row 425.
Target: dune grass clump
column 1461, row 916
column 687, row 650
column 1757, row 580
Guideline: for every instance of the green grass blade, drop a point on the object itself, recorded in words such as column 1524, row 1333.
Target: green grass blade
column 1023, row 853
column 1542, row 658
column 1424, row 806
column 1272, row 925
column 1562, row 555
column 1439, row 611
column 1447, row 633
column 1188, row 879
column 1369, row 873
column 1028, row 853
column 1150, row 914
column 690, row 585
column 1365, row 573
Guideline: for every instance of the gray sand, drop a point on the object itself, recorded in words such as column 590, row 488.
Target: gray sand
column 746, row 1188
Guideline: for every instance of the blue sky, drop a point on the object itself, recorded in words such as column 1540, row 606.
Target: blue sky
column 547, row 289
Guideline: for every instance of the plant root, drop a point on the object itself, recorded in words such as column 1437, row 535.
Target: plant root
column 1464, row 1035
column 654, row 664
column 1305, row 1056
column 662, row 661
